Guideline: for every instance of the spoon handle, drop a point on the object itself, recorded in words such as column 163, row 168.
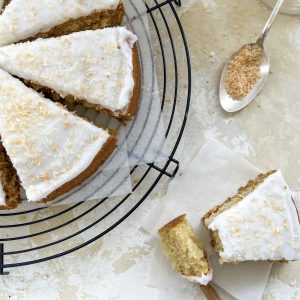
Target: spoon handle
column 270, row 22
column 209, row 292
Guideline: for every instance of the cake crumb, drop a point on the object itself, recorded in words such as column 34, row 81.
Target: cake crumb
column 243, row 71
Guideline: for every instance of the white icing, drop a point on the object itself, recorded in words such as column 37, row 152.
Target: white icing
column 91, row 65
column 23, row 19
column 2, row 195
column 263, row 226
column 47, row 145
column 204, row 279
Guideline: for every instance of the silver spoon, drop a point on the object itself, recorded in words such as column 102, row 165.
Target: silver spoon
column 226, row 101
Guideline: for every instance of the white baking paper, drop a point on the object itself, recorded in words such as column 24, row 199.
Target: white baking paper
column 145, row 135
column 213, row 175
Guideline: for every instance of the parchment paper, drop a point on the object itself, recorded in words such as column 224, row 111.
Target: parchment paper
column 145, row 135
column 213, row 175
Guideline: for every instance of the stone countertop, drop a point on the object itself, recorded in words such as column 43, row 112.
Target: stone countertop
column 266, row 134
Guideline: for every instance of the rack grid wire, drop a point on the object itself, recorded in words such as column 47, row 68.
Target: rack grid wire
column 45, row 233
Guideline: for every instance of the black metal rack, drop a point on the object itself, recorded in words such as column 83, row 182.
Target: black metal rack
column 31, row 236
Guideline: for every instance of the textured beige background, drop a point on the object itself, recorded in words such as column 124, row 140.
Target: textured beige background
column 266, row 133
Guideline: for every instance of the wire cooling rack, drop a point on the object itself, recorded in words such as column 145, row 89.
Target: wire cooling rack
column 45, row 233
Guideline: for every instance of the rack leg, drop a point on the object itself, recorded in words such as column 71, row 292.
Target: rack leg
column 178, row 2
column 170, row 175
column 2, row 260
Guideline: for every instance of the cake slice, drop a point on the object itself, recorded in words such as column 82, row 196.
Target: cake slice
column 259, row 223
column 22, row 19
column 3, row 4
column 186, row 254
column 51, row 149
column 96, row 68
column 9, row 183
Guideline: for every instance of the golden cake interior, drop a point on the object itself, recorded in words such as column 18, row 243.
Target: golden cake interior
column 241, row 194
column 181, row 247
column 9, row 181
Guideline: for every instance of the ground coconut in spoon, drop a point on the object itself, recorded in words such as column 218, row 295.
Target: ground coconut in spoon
column 243, row 71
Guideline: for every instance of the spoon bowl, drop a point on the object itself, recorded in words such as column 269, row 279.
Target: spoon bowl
column 231, row 105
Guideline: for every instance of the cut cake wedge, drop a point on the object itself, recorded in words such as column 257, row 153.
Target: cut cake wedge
column 259, row 223
column 186, row 254
column 99, row 69
column 51, row 149
column 24, row 19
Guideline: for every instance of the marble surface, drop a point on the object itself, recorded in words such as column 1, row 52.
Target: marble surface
column 266, row 134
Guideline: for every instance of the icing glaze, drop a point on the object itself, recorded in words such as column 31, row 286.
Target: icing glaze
column 47, row 145
column 95, row 66
column 23, row 19
column 204, row 279
column 262, row 226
